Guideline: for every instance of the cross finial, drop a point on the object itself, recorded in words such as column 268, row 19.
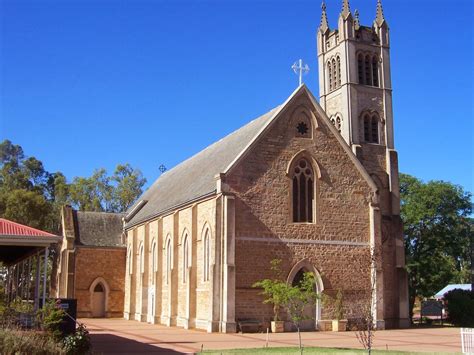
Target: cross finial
column 324, row 26
column 300, row 69
column 162, row 168
column 379, row 18
column 345, row 8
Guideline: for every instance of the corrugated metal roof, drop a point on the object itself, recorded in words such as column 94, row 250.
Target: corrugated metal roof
column 12, row 228
column 451, row 287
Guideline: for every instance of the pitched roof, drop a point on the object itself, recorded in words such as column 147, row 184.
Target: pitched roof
column 195, row 177
column 12, row 228
column 99, row 228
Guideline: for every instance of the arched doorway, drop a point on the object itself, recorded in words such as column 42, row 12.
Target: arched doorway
column 294, row 278
column 99, row 292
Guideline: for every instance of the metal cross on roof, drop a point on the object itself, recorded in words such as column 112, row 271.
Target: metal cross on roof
column 162, row 168
column 300, row 69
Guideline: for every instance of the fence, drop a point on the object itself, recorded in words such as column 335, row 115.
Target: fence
column 467, row 340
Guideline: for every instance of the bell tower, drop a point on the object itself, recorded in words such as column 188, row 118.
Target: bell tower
column 354, row 77
column 356, row 93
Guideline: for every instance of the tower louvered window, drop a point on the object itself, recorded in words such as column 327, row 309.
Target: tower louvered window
column 303, row 191
column 371, row 128
column 375, row 72
column 338, row 71
column 360, row 69
column 330, row 75
column 368, row 69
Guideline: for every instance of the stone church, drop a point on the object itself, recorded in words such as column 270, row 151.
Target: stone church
column 314, row 184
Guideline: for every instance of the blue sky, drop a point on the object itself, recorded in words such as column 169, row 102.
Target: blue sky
column 90, row 84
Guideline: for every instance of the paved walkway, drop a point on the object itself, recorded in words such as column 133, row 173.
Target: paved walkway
column 119, row 336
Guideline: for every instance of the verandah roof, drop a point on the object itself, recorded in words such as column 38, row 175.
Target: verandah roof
column 18, row 241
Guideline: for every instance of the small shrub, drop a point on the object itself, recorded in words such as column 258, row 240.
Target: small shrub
column 460, row 306
column 79, row 342
column 18, row 342
column 51, row 317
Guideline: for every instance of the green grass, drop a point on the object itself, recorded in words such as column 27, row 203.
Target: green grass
column 308, row 350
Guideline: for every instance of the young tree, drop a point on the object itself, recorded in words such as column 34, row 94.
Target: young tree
column 274, row 290
column 298, row 298
column 437, row 232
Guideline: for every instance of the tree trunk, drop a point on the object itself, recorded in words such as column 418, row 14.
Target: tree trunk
column 299, row 338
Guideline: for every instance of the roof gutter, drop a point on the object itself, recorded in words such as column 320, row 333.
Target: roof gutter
column 27, row 240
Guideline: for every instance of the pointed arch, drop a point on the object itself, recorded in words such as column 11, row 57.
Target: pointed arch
column 185, row 255
column 130, row 259
column 302, row 115
column 338, row 60
column 141, row 258
column 303, row 187
column 360, row 68
column 99, row 305
column 305, row 265
column 206, row 252
column 168, row 259
column 329, row 74
column 153, row 260
column 375, row 71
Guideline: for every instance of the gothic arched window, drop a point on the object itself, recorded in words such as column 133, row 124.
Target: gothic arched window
column 338, row 71
column 206, row 256
column 334, row 74
column 168, row 251
column 375, row 71
column 371, row 128
column 185, row 257
column 360, row 68
column 142, row 259
column 330, row 75
column 302, row 180
column 154, row 261
column 337, row 122
column 130, row 261
column 368, row 72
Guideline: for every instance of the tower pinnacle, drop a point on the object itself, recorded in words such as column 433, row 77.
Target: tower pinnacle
column 345, row 8
column 356, row 19
column 324, row 26
column 379, row 18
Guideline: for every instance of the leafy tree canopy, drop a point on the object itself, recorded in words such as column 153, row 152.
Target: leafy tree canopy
column 33, row 196
column 437, row 232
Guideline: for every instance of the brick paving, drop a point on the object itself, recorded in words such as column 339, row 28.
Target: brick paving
column 119, row 336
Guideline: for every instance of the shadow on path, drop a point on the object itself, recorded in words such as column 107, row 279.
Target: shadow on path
column 113, row 344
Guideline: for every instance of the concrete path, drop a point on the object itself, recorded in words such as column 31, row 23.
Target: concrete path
column 119, row 336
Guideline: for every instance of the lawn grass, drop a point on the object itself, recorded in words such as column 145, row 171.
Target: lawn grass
column 308, row 350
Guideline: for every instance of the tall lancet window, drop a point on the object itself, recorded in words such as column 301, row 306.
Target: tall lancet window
column 334, row 74
column 375, row 71
column 360, row 68
column 368, row 72
column 185, row 258
column 338, row 71
column 207, row 256
column 168, row 261
column 330, row 75
column 371, row 128
column 302, row 191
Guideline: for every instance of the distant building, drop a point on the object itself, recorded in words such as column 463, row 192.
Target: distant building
column 91, row 265
column 451, row 287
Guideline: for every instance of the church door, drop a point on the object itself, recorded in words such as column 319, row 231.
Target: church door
column 98, row 301
column 151, row 304
column 310, row 311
